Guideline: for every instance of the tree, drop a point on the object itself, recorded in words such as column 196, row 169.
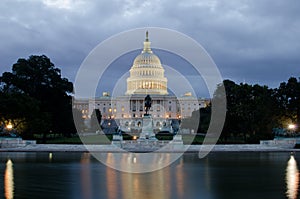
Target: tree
column 288, row 98
column 96, row 120
column 78, row 120
column 251, row 111
column 192, row 122
column 199, row 121
column 38, row 79
column 230, row 125
column 17, row 109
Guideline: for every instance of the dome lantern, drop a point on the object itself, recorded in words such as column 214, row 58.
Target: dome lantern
column 147, row 48
column 147, row 73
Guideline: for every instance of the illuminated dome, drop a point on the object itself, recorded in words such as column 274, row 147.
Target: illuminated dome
column 147, row 74
column 146, row 60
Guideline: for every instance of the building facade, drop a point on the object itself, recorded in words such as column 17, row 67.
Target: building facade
column 146, row 78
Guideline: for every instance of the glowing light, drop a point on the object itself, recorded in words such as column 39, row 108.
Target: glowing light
column 135, row 137
column 9, row 180
column 9, row 126
column 292, row 178
column 50, row 156
column 291, row 126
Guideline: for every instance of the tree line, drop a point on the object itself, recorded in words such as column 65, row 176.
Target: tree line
column 36, row 99
column 254, row 111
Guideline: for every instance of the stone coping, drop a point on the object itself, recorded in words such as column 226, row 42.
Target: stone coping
column 115, row 149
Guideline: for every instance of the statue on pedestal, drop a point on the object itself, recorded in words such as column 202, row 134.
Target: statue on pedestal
column 147, row 104
column 147, row 127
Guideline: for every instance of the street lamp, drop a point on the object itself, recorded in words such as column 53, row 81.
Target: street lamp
column 291, row 126
column 9, row 126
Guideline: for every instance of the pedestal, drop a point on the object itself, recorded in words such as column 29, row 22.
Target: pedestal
column 117, row 140
column 177, row 142
column 147, row 128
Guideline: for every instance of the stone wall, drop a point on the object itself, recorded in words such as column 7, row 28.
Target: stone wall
column 15, row 142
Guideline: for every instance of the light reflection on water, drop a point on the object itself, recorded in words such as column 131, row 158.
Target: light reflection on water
column 179, row 179
column 9, row 180
column 137, row 162
column 292, row 178
column 137, row 185
column 81, row 176
column 85, row 176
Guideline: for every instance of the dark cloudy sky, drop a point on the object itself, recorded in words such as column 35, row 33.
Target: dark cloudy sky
column 249, row 40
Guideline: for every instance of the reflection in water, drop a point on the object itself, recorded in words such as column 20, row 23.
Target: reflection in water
column 137, row 162
column 180, row 179
column 111, row 183
column 292, row 178
column 154, row 184
column 9, row 180
column 85, row 175
column 72, row 176
column 50, row 157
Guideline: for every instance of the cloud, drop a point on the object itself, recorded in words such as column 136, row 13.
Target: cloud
column 256, row 41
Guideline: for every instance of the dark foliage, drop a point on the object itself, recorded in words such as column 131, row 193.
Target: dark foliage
column 37, row 95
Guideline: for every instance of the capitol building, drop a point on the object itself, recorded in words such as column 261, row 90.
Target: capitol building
column 147, row 77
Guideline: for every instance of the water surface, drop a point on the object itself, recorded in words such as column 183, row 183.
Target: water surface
column 219, row 175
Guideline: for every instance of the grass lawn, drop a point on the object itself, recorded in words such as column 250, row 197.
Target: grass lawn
column 89, row 139
column 106, row 139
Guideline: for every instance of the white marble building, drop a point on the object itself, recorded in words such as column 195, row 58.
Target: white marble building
column 146, row 77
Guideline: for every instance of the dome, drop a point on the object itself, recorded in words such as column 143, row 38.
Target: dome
column 147, row 60
column 147, row 73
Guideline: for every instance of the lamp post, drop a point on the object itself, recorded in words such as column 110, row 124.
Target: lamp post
column 292, row 127
column 9, row 126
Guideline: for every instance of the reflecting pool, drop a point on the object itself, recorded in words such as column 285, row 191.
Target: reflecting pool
column 219, row 175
